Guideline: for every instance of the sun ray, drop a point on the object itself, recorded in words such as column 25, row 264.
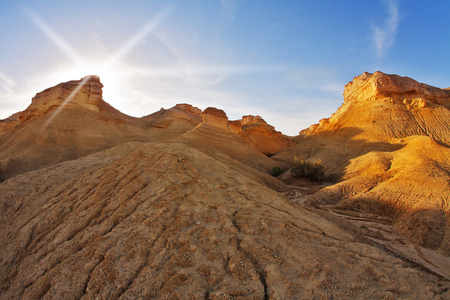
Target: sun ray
column 69, row 51
column 67, row 100
column 136, row 38
column 193, row 73
column 53, row 36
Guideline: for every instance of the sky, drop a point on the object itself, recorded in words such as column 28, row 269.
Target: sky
column 286, row 60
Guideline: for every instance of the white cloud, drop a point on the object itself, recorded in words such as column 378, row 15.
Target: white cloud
column 384, row 35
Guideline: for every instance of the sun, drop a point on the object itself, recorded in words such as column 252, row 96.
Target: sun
column 113, row 72
column 116, row 75
column 77, row 71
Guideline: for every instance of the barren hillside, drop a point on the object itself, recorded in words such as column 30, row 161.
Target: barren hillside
column 181, row 204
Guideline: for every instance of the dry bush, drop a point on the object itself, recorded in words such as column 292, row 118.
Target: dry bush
column 311, row 170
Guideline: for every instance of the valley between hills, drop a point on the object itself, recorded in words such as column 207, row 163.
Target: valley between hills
column 187, row 204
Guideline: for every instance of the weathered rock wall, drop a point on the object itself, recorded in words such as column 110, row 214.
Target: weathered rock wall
column 381, row 106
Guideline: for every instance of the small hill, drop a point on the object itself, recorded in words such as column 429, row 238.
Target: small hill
column 62, row 123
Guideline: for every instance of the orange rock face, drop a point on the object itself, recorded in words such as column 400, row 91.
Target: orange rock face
column 86, row 93
column 253, row 129
column 9, row 123
column 382, row 107
column 235, row 126
column 250, row 119
column 368, row 85
column 263, row 136
column 64, row 122
column 215, row 117
column 190, row 109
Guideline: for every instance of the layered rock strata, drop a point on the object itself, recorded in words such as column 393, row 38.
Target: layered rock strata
column 215, row 117
column 381, row 106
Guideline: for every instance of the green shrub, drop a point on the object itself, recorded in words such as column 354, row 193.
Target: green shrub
column 277, row 171
column 310, row 170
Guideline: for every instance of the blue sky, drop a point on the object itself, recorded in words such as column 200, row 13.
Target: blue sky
column 287, row 61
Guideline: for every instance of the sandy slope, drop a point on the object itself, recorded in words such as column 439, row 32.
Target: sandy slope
column 167, row 221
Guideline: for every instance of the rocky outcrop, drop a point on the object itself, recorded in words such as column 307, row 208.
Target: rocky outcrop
column 367, row 86
column 63, row 123
column 381, row 106
column 235, row 126
column 248, row 120
column 218, row 118
column 85, row 93
column 215, row 117
column 263, row 136
column 190, row 109
column 253, row 129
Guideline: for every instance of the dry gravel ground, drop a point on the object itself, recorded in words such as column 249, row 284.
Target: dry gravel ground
column 166, row 221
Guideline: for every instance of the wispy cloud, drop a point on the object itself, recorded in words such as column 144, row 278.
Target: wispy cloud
column 384, row 35
column 6, row 85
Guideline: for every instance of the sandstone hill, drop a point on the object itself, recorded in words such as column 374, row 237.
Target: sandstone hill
column 181, row 204
column 388, row 146
column 48, row 132
column 53, row 129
